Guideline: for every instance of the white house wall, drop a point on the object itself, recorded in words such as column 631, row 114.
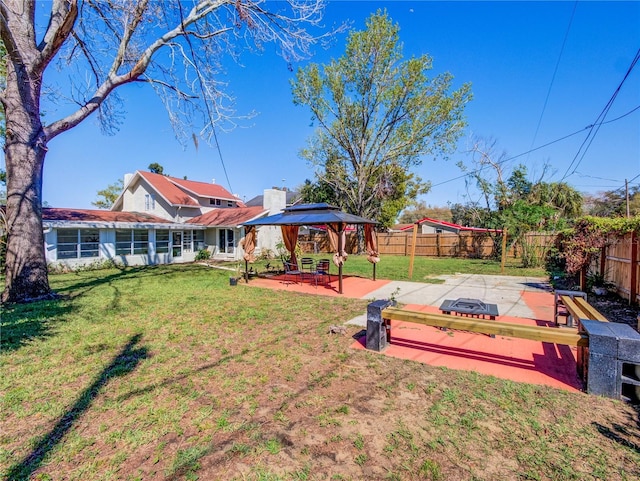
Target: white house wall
column 107, row 249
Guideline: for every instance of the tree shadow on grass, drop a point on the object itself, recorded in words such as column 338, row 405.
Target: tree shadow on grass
column 22, row 323
column 122, row 364
column 86, row 281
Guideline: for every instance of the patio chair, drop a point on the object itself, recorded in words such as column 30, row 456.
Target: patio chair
column 307, row 267
column 291, row 270
column 322, row 270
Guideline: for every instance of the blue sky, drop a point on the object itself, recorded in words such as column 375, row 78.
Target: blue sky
column 508, row 51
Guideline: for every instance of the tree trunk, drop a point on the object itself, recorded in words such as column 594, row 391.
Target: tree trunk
column 25, row 150
column 26, row 266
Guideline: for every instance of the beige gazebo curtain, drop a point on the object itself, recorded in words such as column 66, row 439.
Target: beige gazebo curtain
column 371, row 243
column 248, row 243
column 290, row 238
column 337, row 239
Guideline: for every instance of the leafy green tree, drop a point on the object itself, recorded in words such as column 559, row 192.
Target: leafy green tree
column 613, row 203
column 471, row 214
column 377, row 117
column 317, row 192
column 108, row 195
column 420, row 210
column 173, row 46
column 513, row 201
column 156, row 168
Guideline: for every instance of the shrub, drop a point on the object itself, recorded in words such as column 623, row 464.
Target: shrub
column 203, row 255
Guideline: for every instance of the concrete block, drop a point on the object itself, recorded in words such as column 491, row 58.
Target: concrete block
column 604, row 376
column 376, row 330
column 628, row 342
column 602, row 339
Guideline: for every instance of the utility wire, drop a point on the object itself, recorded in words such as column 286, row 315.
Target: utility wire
column 553, row 77
column 204, row 96
column 538, row 148
column 598, row 123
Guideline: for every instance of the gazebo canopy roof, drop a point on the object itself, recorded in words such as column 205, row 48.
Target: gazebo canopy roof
column 310, row 214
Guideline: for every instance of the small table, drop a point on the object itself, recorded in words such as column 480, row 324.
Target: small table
column 470, row 307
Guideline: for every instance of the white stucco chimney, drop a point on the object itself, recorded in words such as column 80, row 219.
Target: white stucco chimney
column 274, row 200
column 213, row 181
column 127, row 179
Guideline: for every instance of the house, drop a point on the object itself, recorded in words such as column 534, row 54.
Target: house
column 172, row 198
column 76, row 237
column 159, row 219
column 434, row 226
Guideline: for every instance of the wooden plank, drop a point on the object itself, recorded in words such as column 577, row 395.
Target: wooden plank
column 483, row 326
column 591, row 311
column 576, row 312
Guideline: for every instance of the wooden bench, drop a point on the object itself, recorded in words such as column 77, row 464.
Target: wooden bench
column 579, row 309
column 559, row 309
column 484, row 326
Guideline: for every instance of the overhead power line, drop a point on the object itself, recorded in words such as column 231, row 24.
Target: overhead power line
column 595, row 127
column 553, row 77
column 538, row 148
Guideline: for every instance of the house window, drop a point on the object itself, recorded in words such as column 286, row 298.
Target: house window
column 214, row 201
column 149, row 201
column 186, row 241
column 132, row 241
column 438, row 231
column 198, row 239
column 162, row 241
column 140, row 241
column 78, row 243
column 229, row 203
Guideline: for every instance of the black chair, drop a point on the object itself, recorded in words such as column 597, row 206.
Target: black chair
column 322, row 270
column 307, row 267
column 291, row 270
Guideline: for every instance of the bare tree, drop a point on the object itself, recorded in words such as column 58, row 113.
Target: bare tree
column 174, row 46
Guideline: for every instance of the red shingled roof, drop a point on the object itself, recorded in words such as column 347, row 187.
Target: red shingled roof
column 171, row 189
column 228, row 217
column 82, row 215
column 167, row 189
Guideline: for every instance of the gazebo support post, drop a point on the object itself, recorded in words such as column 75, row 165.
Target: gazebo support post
column 340, row 247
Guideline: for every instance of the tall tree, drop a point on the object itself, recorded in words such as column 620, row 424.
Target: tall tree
column 108, row 195
column 156, row 168
column 174, row 46
column 377, row 116
column 513, row 201
column 420, row 210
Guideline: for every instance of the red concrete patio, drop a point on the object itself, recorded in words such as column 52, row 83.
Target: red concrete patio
column 506, row 358
column 355, row 287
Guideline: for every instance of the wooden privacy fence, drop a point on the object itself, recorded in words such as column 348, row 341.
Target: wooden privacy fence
column 477, row 245
column 618, row 264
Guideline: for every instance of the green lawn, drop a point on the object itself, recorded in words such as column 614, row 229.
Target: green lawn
column 424, row 268
column 168, row 372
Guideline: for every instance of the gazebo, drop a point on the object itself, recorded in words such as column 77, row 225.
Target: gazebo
column 336, row 221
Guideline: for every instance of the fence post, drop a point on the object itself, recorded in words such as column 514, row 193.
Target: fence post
column 413, row 249
column 633, row 278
